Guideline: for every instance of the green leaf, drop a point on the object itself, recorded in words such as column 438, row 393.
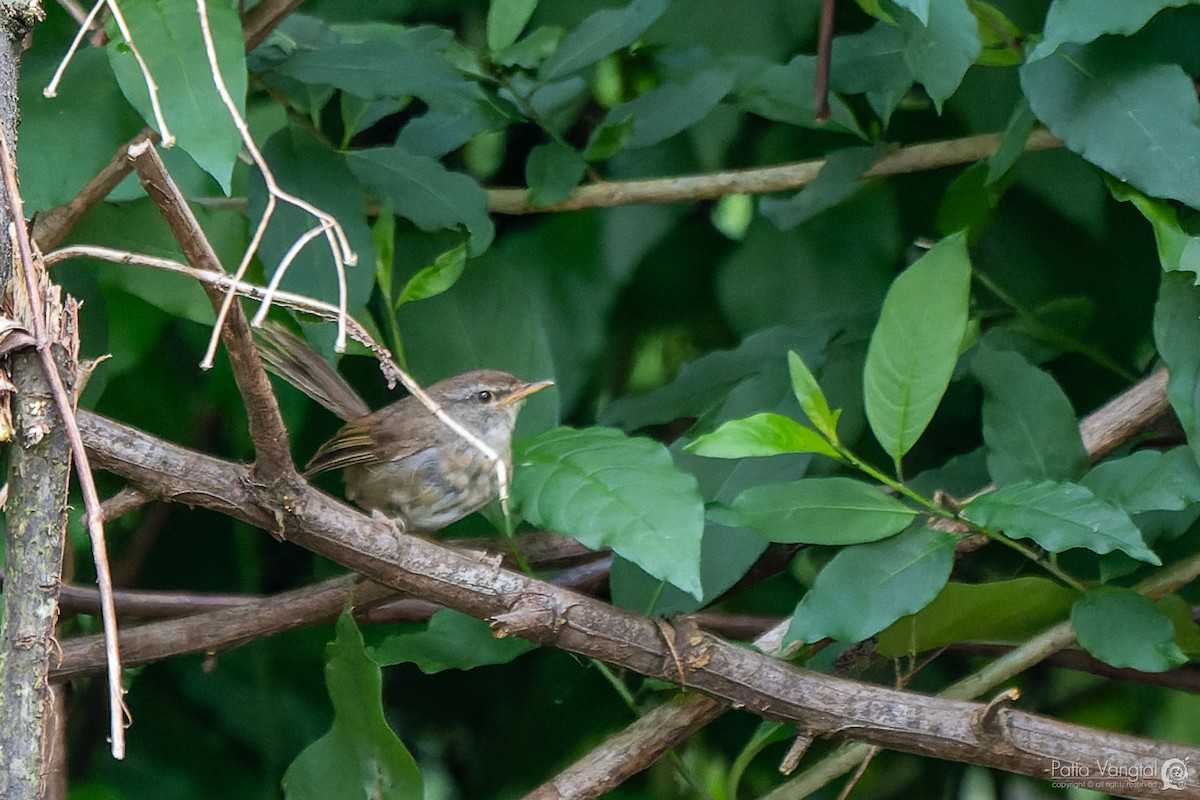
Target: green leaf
column 968, row 203
column 167, row 35
column 839, row 179
column 56, row 156
column 872, row 63
column 817, row 511
column 1012, row 142
column 439, row 276
column 1178, row 251
column 1059, row 516
column 915, row 344
column 451, row 640
column 1126, row 630
column 312, row 171
column 866, row 587
column 530, row 51
column 604, row 32
column 1001, row 42
column 940, row 46
column 360, row 756
column 552, row 170
column 783, row 92
column 1028, row 424
column 811, row 398
column 1082, row 21
column 608, row 139
column 1004, row 611
column 919, row 8
column 1148, row 480
column 761, row 435
column 505, row 21
column 1177, row 335
column 425, row 192
column 609, row 490
column 672, row 107
column 1135, row 120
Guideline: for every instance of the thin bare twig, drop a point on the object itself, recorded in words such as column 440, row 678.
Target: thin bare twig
column 66, row 407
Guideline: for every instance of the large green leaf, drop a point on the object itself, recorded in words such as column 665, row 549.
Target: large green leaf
column 604, row 32
column 1148, row 480
column 1004, row 611
column 915, row 344
column 610, row 490
column 425, row 192
column 312, row 171
column 1082, row 21
column 1135, row 120
column 1177, row 334
column 1059, row 516
column 761, row 435
column 867, row 587
column 1122, row 628
column 451, row 640
column 940, row 47
column 505, row 21
column 872, row 63
column 360, row 756
column 671, row 108
column 1028, row 423
column 817, row 511
column 167, row 34
column 57, row 156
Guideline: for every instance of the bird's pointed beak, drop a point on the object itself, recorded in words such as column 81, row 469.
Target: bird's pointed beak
column 526, row 390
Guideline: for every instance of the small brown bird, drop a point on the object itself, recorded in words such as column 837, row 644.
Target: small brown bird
column 401, row 460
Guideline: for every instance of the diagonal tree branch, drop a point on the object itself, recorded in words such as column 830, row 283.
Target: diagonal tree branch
column 819, row 704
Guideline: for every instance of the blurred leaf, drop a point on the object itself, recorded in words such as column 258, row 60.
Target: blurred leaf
column 866, row 587
column 360, row 756
column 552, row 170
column 1006, row 611
column 1059, row 516
column 1028, row 423
column 56, row 156
column 969, row 203
column 530, row 51
column 915, row 344
column 451, row 640
column 1178, row 251
column 439, row 276
column 437, row 132
column 811, row 398
column 761, row 435
column 608, row 490
column 312, row 171
column 602, row 33
column 817, row 511
column 169, row 39
column 875, row 9
column 783, row 92
column 1082, row 21
column 422, row 190
column 872, row 63
column 505, row 21
column 1126, row 630
column 942, row 41
column 1012, row 143
column 608, row 139
column 839, row 179
column 1135, row 120
column 672, row 107
column 1148, row 480
column 1001, row 42
column 360, row 113
column 1177, row 335
column 1187, row 632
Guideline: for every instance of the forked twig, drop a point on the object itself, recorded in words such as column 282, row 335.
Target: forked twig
column 339, row 245
column 66, row 409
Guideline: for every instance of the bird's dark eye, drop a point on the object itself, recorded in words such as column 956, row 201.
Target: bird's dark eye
column 484, row 396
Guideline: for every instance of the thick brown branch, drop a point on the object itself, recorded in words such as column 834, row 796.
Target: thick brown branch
column 272, row 451
column 761, row 180
column 820, row 704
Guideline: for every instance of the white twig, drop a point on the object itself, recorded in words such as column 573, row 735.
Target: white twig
column 85, row 25
column 339, row 244
column 233, row 287
column 168, row 138
column 66, row 408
